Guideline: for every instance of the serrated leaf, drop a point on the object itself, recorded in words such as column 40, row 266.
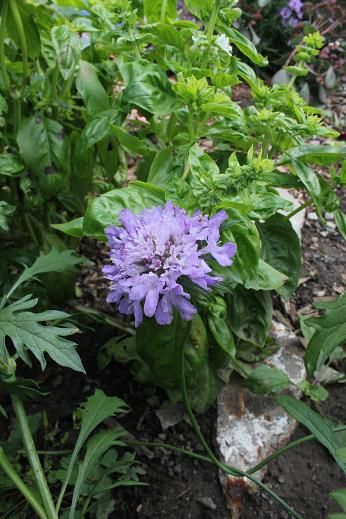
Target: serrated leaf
column 24, row 388
column 54, row 261
column 28, row 334
column 330, row 333
column 320, row 426
column 96, row 448
column 97, row 408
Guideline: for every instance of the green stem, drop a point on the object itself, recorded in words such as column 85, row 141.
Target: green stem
column 233, row 471
column 50, row 453
column 210, row 30
column 190, row 122
column 34, row 460
column 19, row 483
column 298, row 209
column 289, row 446
column 86, row 506
column 161, row 445
column 53, row 83
column 3, row 14
column 31, row 230
column 22, row 39
column 163, row 11
column 105, row 318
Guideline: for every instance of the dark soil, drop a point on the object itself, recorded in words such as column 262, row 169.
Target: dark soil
column 180, row 487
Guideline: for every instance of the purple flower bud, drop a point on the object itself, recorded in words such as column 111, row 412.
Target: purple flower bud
column 153, row 250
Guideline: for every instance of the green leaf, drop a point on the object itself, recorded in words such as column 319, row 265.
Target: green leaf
column 320, row 426
column 10, row 165
column 152, row 10
column 147, row 87
column 96, row 448
column 339, row 497
column 217, row 314
column 240, row 230
column 250, row 315
column 268, row 278
column 68, row 48
column 159, row 347
column 340, row 220
column 330, row 333
column 245, row 46
column 200, row 8
column 265, row 379
column 42, row 145
column 24, row 388
column 90, row 88
column 104, row 210
column 322, row 154
column 100, row 127
column 281, row 249
column 54, row 261
column 314, row 391
column 311, row 182
column 131, row 143
column 72, row 228
column 6, row 211
column 26, row 333
column 94, row 411
column 267, row 204
column 32, row 35
column 165, row 167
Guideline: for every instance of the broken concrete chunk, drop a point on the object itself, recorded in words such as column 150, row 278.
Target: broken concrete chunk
column 251, row 427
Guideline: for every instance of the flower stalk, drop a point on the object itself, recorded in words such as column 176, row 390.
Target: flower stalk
column 34, row 460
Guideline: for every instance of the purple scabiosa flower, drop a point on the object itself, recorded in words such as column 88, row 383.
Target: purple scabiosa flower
column 292, row 13
column 153, row 250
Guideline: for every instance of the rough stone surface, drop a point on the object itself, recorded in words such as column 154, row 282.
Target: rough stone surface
column 251, row 427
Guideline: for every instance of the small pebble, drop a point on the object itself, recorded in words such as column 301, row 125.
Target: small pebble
column 324, row 234
column 331, row 225
column 207, row 502
column 312, row 216
column 329, row 216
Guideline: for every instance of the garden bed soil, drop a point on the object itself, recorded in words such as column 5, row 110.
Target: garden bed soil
column 180, row 487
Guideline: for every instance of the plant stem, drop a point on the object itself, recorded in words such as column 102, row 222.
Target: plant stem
column 4, row 13
column 53, row 83
column 210, row 30
column 50, row 453
column 139, row 443
column 34, row 460
column 298, row 209
column 288, row 447
column 19, row 483
column 163, row 11
column 105, row 318
column 22, row 39
column 191, row 128
column 233, row 471
column 31, row 230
